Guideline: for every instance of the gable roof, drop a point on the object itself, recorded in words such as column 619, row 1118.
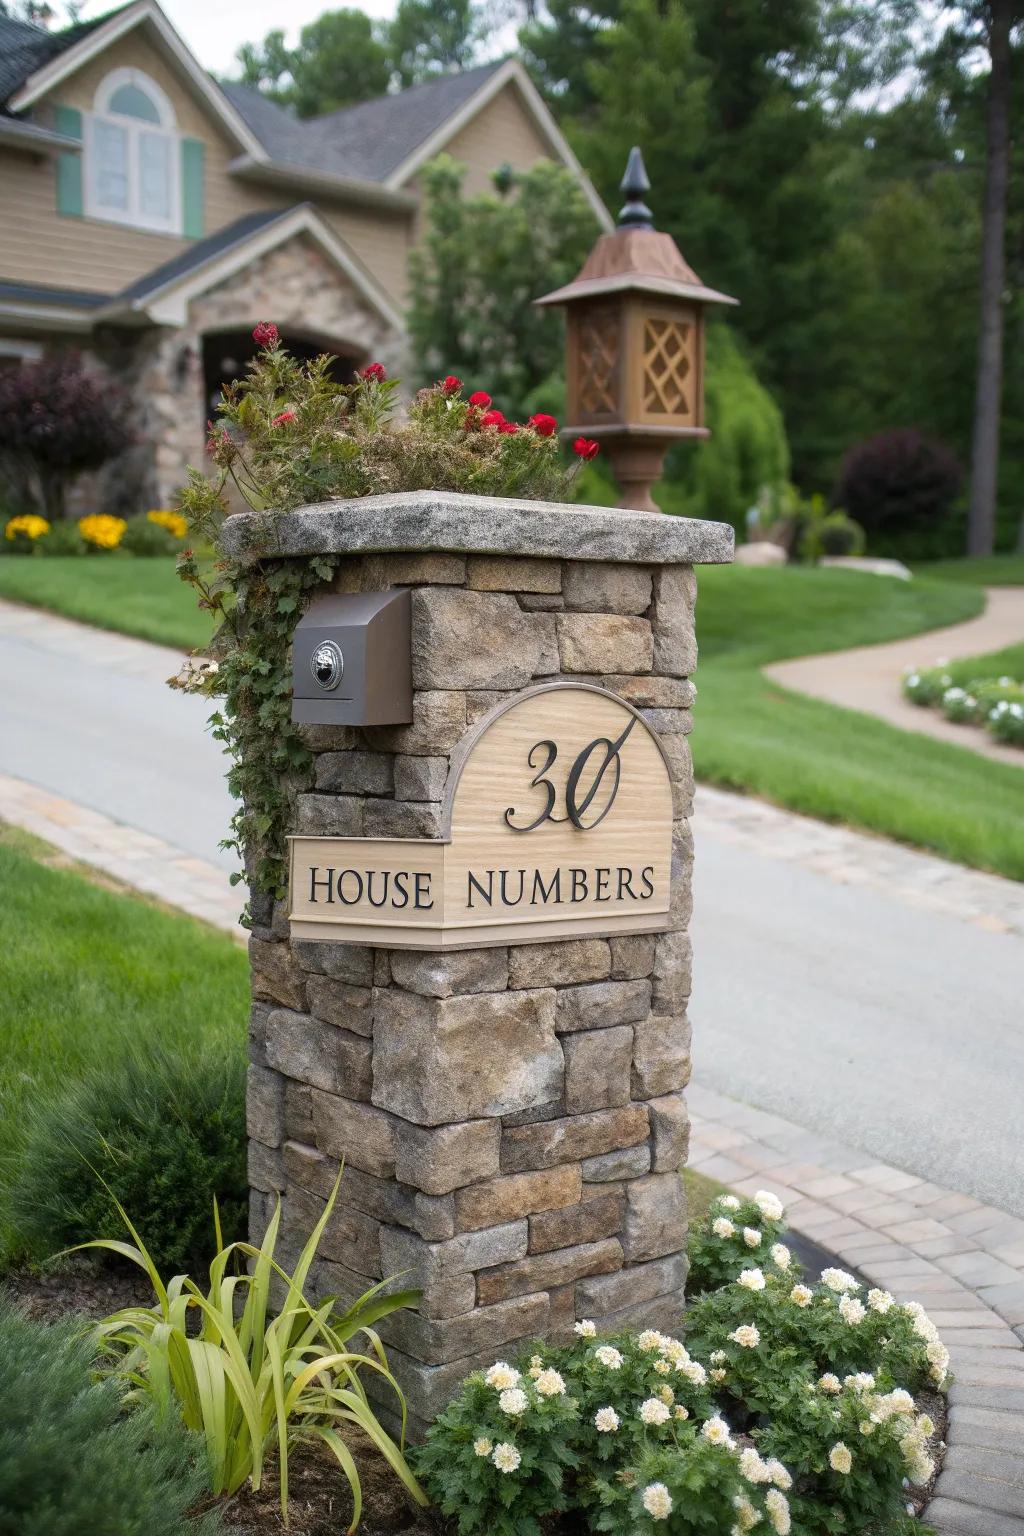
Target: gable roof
column 376, row 146
column 41, row 61
column 26, row 47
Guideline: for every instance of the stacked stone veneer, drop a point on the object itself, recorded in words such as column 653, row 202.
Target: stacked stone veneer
column 511, row 1119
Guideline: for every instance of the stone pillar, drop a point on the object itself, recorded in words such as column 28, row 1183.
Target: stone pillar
column 511, row 1119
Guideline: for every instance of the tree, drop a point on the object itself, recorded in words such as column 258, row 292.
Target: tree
column 482, row 263
column 55, row 421
column 341, row 58
column 996, row 17
column 432, row 37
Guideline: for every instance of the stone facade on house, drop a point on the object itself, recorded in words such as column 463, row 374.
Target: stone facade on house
column 511, row 1119
column 161, row 370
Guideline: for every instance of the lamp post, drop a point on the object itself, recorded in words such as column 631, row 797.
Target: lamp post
column 635, row 344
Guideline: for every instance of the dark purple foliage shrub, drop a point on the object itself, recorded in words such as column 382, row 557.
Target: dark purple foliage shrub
column 57, row 419
column 898, row 485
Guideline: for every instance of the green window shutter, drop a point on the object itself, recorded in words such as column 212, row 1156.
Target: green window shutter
column 69, row 164
column 192, row 187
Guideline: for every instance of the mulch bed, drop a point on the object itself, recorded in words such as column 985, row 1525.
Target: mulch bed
column 77, row 1284
column 319, row 1501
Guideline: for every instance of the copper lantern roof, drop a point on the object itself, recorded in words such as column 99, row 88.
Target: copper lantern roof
column 636, row 257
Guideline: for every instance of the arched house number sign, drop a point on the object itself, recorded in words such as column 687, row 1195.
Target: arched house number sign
column 557, row 823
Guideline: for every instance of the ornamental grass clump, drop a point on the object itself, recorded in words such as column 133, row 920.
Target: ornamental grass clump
column 253, row 1385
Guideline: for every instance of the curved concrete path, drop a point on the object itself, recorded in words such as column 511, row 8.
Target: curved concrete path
column 868, row 678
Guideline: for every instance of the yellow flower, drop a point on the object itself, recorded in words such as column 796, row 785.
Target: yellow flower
column 175, row 524
column 30, row 524
column 101, row 529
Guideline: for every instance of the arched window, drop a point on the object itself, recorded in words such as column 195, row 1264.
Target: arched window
column 133, row 154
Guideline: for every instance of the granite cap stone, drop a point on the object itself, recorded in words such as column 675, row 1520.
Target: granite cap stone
column 479, row 525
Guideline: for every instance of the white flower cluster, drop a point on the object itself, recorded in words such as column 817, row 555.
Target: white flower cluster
column 606, row 1421
column 801, row 1295
column 606, row 1355
column 586, row 1329
column 717, row 1432
column 747, row 1336
column 936, row 1351
column 840, row 1459
column 769, row 1205
column 852, row 1311
column 657, row 1501
column 752, row 1279
column 654, row 1411
column 838, row 1280
column 914, row 1445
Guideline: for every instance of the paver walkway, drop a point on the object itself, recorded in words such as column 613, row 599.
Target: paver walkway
column 147, row 863
column 962, row 1259
column 868, row 678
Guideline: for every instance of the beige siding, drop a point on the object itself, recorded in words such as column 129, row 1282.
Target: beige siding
column 39, row 245
column 503, row 133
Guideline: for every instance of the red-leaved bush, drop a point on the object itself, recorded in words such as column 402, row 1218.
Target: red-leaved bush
column 56, row 420
column 899, row 484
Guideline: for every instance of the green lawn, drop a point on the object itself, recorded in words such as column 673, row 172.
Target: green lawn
column 994, row 571
column 87, row 969
column 829, row 762
column 135, row 596
column 1009, row 662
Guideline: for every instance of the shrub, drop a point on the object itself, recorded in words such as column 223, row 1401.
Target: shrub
column 164, row 1130
column 71, row 1461
column 747, row 452
column 926, row 685
column 817, row 1331
column 154, row 533
column 834, row 534
column 251, row 1385
column 619, row 1430
column 960, row 706
column 900, row 487
column 734, row 1235
column 64, row 538
column 1005, row 721
column 55, row 421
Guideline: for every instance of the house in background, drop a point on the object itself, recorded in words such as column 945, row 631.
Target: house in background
column 149, row 217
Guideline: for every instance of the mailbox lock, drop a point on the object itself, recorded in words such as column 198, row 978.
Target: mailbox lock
column 327, row 664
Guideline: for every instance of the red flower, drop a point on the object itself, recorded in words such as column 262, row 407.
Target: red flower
column 283, row 419
column 375, row 372
column 508, row 427
column 450, row 384
column 492, row 419
column 266, row 334
column 481, row 398
column 544, row 426
column 586, row 448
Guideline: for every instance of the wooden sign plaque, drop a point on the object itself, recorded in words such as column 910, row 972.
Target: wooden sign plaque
column 557, row 824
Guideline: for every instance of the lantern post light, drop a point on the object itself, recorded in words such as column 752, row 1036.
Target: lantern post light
column 635, row 344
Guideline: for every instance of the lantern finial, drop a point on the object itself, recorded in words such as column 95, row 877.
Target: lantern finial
column 634, row 213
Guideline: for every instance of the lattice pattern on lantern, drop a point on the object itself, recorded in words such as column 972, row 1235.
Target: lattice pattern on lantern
column 599, row 360
column 666, row 366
